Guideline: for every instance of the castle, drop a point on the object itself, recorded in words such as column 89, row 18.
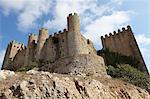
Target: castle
column 68, row 51
column 68, row 42
column 124, row 43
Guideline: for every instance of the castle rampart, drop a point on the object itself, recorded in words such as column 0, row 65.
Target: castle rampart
column 49, row 48
column 124, row 42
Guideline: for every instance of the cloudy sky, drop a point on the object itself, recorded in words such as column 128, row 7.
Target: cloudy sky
column 18, row 18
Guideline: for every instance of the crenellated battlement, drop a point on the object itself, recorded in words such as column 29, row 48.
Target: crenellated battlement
column 32, row 35
column 73, row 22
column 58, row 34
column 73, row 14
column 124, row 42
column 43, row 30
column 118, row 33
column 43, row 34
column 16, row 44
column 49, row 48
column 32, row 38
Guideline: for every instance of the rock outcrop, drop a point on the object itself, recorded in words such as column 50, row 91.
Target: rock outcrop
column 44, row 85
column 5, row 74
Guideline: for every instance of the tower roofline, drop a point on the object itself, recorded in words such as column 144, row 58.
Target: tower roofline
column 128, row 28
column 71, row 14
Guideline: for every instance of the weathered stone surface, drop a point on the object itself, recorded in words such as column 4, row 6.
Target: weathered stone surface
column 47, row 48
column 4, row 74
column 125, row 43
column 44, row 85
column 83, row 64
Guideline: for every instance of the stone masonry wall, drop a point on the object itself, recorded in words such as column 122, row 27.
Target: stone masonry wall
column 12, row 49
column 124, row 43
column 48, row 49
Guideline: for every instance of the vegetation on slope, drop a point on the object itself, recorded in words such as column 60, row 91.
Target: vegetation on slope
column 129, row 74
column 122, row 67
column 27, row 68
column 112, row 58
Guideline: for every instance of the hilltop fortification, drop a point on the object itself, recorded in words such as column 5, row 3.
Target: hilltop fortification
column 67, row 48
column 68, row 51
column 124, row 42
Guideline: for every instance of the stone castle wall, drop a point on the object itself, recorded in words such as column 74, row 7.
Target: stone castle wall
column 48, row 48
column 19, row 59
column 68, row 42
column 88, row 64
column 12, row 49
column 124, row 43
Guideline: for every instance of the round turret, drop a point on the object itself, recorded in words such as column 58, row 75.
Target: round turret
column 43, row 35
column 73, row 23
column 74, row 36
column 32, row 38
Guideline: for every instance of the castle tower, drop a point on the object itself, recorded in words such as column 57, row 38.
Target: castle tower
column 124, row 43
column 43, row 35
column 73, row 23
column 74, row 35
column 11, row 51
column 32, row 40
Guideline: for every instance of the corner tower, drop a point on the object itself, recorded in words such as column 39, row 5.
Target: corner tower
column 73, row 35
column 11, row 51
column 30, row 51
column 43, row 35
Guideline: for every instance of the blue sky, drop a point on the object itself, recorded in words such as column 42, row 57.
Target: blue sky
column 18, row 18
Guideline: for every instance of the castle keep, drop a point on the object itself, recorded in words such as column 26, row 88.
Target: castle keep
column 124, row 43
column 68, row 51
column 49, row 48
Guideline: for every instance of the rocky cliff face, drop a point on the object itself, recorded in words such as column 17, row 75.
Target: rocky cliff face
column 45, row 85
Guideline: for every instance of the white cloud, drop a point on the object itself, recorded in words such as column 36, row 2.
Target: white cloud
column 89, row 11
column 14, row 5
column 2, row 54
column 96, row 18
column 62, row 9
column 144, row 44
column 28, row 11
column 143, row 40
column 106, row 24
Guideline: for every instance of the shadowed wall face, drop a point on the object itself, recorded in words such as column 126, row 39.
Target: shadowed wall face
column 124, row 43
column 12, row 49
column 43, row 35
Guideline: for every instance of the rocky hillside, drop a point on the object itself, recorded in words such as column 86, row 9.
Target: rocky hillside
column 45, row 85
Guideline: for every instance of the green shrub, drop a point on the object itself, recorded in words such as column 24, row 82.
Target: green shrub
column 27, row 68
column 130, row 74
column 112, row 58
